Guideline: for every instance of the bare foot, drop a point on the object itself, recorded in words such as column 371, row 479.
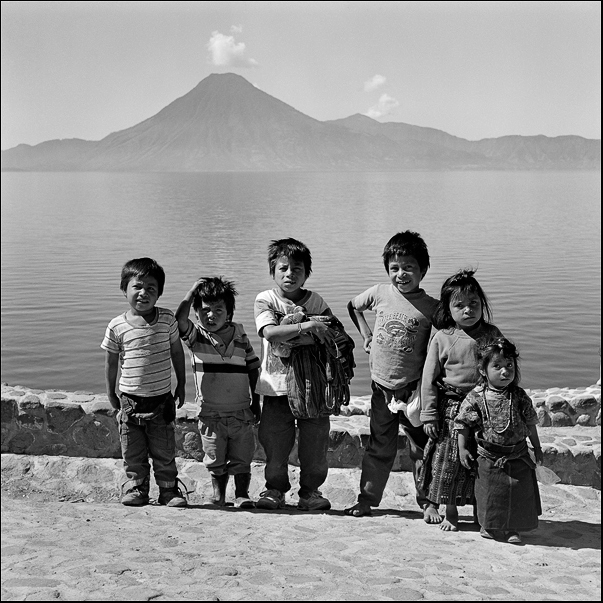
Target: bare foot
column 359, row 510
column 430, row 514
column 451, row 521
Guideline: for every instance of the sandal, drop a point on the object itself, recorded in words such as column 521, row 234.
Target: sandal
column 358, row 510
column 513, row 538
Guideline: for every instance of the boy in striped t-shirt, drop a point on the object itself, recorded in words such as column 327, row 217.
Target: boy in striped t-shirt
column 144, row 343
column 225, row 369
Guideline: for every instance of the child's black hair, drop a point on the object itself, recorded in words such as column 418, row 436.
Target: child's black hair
column 486, row 351
column 292, row 249
column 213, row 289
column 141, row 268
column 407, row 243
column 461, row 283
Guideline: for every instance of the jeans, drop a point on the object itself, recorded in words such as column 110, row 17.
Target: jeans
column 228, row 442
column 277, row 436
column 382, row 447
column 144, row 438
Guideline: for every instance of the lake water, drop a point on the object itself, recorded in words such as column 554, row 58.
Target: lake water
column 534, row 237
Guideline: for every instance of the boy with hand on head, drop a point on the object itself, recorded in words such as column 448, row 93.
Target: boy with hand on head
column 290, row 265
column 397, row 352
column 225, row 367
column 144, row 343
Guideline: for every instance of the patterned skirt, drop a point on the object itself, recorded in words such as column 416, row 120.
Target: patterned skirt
column 443, row 478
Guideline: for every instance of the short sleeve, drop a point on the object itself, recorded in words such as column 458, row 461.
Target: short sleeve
column 111, row 342
column 469, row 414
column 264, row 314
column 190, row 336
column 527, row 410
column 366, row 300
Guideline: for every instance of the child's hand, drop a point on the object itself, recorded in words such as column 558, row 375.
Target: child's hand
column 539, row 456
column 367, row 343
column 257, row 411
column 179, row 395
column 114, row 400
column 431, row 429
column 320, row 330
column 466, row 458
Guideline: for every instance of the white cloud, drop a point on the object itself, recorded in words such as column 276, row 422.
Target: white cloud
column 225, row 52
column 386, row 105
column 236, row 29
column 374, row 83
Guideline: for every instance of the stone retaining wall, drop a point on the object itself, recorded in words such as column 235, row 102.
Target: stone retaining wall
column 51, row 422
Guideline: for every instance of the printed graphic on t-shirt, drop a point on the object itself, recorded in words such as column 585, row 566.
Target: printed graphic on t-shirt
column 397, row 330
column 274, row 365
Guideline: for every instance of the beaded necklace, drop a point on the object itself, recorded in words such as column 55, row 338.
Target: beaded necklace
column 507, row 392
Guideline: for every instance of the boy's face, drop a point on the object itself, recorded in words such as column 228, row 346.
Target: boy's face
column 500, row 371
column 142, row 294
column 405, row 273
column 289, row 275
column 212, row 315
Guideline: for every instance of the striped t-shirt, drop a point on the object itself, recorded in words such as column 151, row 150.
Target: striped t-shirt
column 221, row 373
column 144, row 353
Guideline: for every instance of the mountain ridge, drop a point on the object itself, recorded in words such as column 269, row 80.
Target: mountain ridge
column 225, row 123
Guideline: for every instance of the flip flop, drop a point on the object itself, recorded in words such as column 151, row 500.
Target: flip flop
column 358, row 510
column 513, row 538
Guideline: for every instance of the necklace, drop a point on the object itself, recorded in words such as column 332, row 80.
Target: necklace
column 487, row 409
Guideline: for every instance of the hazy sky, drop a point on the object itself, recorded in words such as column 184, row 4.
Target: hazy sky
column 473, row 69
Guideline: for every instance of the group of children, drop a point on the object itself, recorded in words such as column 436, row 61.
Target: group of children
column 470, row 447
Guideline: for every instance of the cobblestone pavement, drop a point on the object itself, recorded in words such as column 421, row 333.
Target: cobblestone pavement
column 99, row 550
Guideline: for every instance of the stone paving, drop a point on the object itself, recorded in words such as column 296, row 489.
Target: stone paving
column 101, row 550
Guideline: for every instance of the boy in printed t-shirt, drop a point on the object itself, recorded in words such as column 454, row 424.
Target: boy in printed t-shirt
column 225, row 368
column 397, row 352
column 290, row 265
column 144, row 343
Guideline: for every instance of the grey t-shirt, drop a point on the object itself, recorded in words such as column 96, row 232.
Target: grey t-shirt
column 401, row 333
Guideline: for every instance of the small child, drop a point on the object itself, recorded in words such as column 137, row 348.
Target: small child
column 397, row 354
column 290, row 264
column 225, row 367
column 144, row 343
column 450, row 372
column 500, row 415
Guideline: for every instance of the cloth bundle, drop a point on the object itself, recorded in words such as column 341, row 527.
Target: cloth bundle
column 318, row 375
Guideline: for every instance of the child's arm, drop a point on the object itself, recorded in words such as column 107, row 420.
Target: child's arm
column 177, row 354
column 465, row 456
column 362, row 326
column 536, row 443
column 255, row 398
column 184, row 308
column 281, row 333
column 111, row 368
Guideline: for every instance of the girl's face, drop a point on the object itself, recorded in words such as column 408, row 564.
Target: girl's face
column 500, row 371
column 466, row 310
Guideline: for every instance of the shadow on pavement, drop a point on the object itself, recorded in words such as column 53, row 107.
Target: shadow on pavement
column 571, row 534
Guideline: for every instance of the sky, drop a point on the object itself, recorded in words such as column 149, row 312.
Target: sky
column 473, row 69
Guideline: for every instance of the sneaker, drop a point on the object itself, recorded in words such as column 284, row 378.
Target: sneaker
column 135, row 497
column 314, row 502
column 271, row 499
column 172, row 497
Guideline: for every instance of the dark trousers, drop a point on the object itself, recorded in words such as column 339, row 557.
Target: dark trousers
column 382, row 447
column 277, row 437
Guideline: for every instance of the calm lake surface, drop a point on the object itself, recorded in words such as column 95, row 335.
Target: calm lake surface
column 533, row 236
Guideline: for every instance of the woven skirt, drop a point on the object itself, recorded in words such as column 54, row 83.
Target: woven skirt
column 442, row 476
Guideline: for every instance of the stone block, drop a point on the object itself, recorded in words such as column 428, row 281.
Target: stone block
column 62, row 415
column 556, row 403
column 560, row 419
column 97, row 436
column 585, row 420
column 30, row 421
column 544, row 419
column 7, row 410
column 20, row 443
column 30, row 402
